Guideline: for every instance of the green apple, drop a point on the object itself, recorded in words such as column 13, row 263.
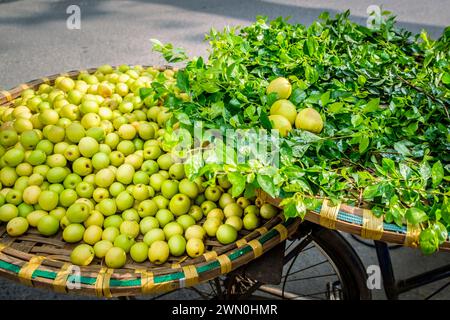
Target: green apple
column 186, row 221
column 17, row 226
column 225, row 199
column 82, row 255
column 100, row 194
column 73, row 233
column 72, row 153
column 31, row 194
column 125, row 173
column 124, row 241
column 115, row 188
column 213, row 193
column 110, row 233
column 145, row 130
column 159, row 252
column 78, row 212
column 116, row 158
column 126, row 147
column 147, row 224
column 147, row 208
column 179, row 204
column 34, row 217
column 124, row 201
column 235, row 222
column 13, row 157
column 207, row 206
column 226, row 234
column 29, row 139
column 169, row 188
column 68, row 197
column 104, row 178
column 24, row 169
column 176, row 171
column 188, row 188
column 141, row 177
column 232, row 209
column 156, row 181
column 130, row 228
column 139, row 252
column 8, row 211
column 224, row 182
column 164, row 216
column 24, row 208
column 150, row 167
column 195, row 231
column 48, row 225
column 92, row 234
column 195, row 247
column 250, row 221
column 172, row 228
column 268, row 211
column 56, row 175
column 140, row 192
column 216, row 213
column 177, row 245
column 152, row 152
column 8, row 137
column 84, row 189
column 196, row 212
column 71, row 181
column 251, row 209
column 88, row 146
column 75, row 132
column 153, row 235
column 102, row 247
column 211, row 225
column 48, row 200
column 100, row 161
column 36, row 157
column 113, row 221
column 82, row 166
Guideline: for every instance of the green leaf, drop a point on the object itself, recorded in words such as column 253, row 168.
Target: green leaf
column 363, row 143
column 415, row 216
column 266, row 183
column 372, row 105
column 441, row 232
column 401, row 148
column 265, row 122
column 183, row 81
column 371, row 192
column 446, row 78
column 335, row 107
column 405, row 171
column 145, row 92
column 428, row 241
column 325, row 98
column 237, row 181
column 437, row 173
column 425, row 171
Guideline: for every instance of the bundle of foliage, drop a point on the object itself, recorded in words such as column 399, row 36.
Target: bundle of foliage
column 384, row 96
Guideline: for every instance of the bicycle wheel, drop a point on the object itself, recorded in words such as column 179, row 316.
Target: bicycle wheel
column 318, row 264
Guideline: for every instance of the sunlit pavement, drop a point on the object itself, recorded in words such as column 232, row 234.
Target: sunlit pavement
column 36, row 42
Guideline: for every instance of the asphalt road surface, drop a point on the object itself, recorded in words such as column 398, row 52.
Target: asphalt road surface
column 35, row 42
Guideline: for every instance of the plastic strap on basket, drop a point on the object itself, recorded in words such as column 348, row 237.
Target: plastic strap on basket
column 210, row 255
column 225, row 263
column 261, row 230
column 328, row 215
column 102, row 283
column 241, row 242
column 2, row 246
column 190, row 276
column 24, row 86
column 257, row 247
column 7, row 95
column 45, row 80
column 282, row 231
column 59, row 284
column 26, row 272
column 372, row 227
column 412, row 236
column 148, row 284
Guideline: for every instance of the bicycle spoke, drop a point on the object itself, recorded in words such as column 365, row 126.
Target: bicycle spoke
column 311, row 266
column 438, row 291
column 313, row 277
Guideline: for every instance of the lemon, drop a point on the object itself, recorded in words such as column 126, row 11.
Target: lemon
column 284, row 108
column 310, row 120
column 281, row 124
column 82, row 255
column 281, row 86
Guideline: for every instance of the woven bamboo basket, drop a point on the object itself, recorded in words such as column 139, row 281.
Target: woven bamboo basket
column 360, row 222
column 44, row 262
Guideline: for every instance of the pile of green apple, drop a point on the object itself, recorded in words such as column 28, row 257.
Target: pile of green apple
column 84, row 159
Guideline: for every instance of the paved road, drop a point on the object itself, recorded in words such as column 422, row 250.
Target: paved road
column 35, row 42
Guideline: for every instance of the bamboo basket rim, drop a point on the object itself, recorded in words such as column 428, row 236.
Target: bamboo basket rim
column 44, row 262
column 354, row 220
